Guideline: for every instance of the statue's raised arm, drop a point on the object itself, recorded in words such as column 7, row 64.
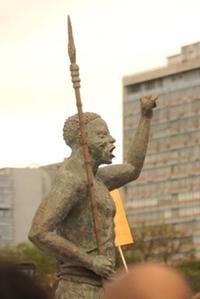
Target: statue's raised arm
column 116, row 176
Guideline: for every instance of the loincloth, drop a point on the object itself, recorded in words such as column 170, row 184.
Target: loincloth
column 73, row 290
column 79, row 275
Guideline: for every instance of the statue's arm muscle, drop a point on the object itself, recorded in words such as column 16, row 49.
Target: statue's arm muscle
column 53, row 209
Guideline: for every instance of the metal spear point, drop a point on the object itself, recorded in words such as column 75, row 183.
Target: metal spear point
column 71, row 45
column 74, row 68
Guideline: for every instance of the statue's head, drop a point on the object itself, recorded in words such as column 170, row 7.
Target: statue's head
column 99, row 140
column 71, row 130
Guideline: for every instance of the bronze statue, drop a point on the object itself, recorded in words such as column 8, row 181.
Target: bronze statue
column 64, row 224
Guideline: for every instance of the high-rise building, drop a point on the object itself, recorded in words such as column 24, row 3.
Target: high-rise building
column 21, row 191
column 168, row 189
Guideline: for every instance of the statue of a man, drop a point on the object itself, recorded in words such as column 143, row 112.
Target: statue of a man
column 63, row 225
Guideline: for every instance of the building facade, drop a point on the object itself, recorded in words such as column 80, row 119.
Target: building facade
column 21, row 191
column 168, row 190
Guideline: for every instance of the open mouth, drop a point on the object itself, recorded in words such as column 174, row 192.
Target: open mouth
column 111, row 152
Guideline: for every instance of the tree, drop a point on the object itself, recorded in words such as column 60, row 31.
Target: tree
column 191, row 269
column 27, row 252
column 173, row 243
column 159, row 242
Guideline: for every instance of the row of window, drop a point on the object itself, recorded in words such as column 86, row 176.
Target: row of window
column 164, row 214
column 5, row 189
column 170, row 157
column 5, row 181
column 175, row 141
column 190, row 211
column 155, row 188
column 153, row 204
column 5, row 216
column 177, row 126
column 142, row 203
column 179, row 89
column 164, row 113
column 189, row 196
column 163, row 144
column 5, row 200
column 160, row 82
column 175, row 171
column 6, row 231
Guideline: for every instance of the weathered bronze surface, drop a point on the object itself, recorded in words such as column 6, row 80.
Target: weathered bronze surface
column 63, row 225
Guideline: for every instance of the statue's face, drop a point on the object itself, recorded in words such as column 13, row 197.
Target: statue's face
column 100, row 142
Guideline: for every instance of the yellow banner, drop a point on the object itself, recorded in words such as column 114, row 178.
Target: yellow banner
column 123, row 234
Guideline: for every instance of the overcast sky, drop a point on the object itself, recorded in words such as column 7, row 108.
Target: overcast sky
column 113, row 39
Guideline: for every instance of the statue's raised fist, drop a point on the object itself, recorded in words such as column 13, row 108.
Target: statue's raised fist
column 148, row 102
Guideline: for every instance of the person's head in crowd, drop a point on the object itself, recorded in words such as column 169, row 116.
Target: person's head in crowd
column 148, row 281
column 15, row 284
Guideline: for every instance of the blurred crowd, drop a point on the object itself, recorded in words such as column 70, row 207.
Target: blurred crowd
column 142, row 281
column 148, row 281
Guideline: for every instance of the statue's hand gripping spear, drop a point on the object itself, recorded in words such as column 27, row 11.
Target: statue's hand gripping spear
column 74, row 69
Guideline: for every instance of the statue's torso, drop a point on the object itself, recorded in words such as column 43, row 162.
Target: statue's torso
column 78, row 228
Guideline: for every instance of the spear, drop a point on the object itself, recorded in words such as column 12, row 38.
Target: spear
column 74, row 69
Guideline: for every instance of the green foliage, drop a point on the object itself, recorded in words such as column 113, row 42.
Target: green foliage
column 160, row 242
column 27, row 252
column 191, row 269
column 45, row 265
column 163, row 243
column 43, row 262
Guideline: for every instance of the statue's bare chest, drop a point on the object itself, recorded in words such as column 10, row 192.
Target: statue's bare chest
column 80, row 214
column 104, row 202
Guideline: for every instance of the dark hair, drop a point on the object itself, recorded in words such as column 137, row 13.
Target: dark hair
column 15, row 284
column 71, row 132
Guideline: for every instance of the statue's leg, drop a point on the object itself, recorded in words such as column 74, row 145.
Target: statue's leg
column 76, row 290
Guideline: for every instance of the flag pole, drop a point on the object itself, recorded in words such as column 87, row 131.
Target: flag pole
column 123, row 258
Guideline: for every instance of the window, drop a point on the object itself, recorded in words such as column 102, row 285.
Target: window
column 150, row 84
column 133, row 88
column 160, row 82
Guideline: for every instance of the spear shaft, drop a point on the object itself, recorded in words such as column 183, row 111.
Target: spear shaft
column 74, row 69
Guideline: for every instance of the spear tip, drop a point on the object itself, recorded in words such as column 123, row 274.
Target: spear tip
column 71, row 45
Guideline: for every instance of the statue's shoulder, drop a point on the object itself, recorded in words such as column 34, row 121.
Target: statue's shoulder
column 69, row 175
